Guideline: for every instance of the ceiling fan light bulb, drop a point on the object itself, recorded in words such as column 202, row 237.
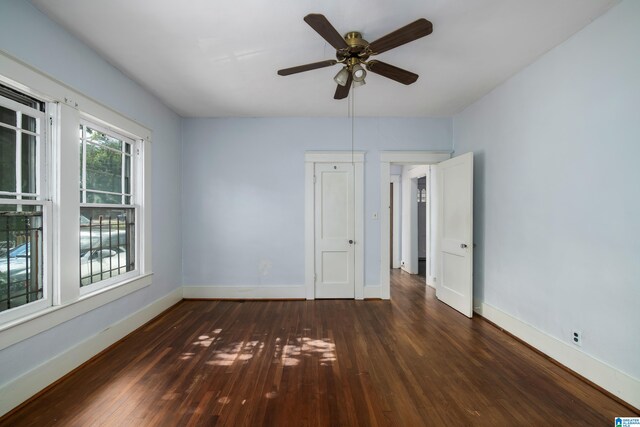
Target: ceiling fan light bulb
column 342, row 77
column 359, row 73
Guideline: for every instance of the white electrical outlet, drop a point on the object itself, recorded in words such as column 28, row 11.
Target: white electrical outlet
column 576, row 338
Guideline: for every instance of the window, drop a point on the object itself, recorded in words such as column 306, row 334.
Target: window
column 107, row 213
column 422, row 195
column 75, row 203
column 22, row 202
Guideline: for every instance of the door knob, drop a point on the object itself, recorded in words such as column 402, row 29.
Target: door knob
column 463, row 245
column 351, row 242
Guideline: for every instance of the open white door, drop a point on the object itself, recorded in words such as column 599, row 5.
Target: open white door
column 454, row 286
column 334, row 231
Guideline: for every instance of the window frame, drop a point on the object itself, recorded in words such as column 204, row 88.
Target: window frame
column 38, row 198
column 47, row 286
column 134, row 157
column 41, row 143
column 120, row 278
column 66, row 107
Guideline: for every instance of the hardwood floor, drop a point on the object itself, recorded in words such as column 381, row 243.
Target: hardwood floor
column 410, row 361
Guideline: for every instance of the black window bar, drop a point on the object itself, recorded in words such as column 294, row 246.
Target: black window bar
column 21, row 279
column 108, row 234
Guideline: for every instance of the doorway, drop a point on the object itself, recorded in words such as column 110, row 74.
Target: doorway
column 391, row 227
column 392, row 160
column 452, row 208
column 421, row 200
column 395, row 210
column 415, row 225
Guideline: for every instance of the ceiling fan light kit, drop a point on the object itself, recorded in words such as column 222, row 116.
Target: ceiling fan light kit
column 353, row 51
column 358, row 73
column 342, row 77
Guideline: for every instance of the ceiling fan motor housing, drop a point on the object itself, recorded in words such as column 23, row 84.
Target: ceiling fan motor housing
column 356, row 52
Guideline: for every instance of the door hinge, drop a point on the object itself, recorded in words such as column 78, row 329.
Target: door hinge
column 315, row 277
column 314, row 179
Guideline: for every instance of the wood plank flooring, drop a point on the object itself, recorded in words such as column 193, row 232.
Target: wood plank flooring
column 410, row 361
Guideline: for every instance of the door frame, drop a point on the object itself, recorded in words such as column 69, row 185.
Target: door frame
column 398, row 157
column 409, row 221
column 396, row 202
column 310, row 160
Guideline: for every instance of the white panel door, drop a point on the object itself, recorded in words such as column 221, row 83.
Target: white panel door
column 455, row 193
column 334, row 231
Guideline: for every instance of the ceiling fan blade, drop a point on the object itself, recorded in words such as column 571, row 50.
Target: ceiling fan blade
column 392, row 72
column 323, row 27
column 307, row 67
column 343, row 91
column 406, row 34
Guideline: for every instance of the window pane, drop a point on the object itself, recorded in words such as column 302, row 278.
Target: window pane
column 102, row 139
column 127, row 174
column 106, row 243
column 28, row 163
column 113, row 199
column 7, row 116
column 105, row 173
column 104, row 169
column 7, row 159
column 21, row 98
column 21, row 279
column 28, row 123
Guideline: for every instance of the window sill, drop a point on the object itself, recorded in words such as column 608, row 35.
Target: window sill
column 26, row 327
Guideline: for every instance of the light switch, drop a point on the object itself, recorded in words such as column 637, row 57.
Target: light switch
column 375, row 215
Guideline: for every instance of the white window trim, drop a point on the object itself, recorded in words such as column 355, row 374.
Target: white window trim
column 135, row 147
column 44, row 303
column 40, row 196
column 136, row 166
column 39, row 133
column 67, row 301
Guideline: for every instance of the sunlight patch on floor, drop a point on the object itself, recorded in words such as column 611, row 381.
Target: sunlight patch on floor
column 236, row 352
column 289, row 354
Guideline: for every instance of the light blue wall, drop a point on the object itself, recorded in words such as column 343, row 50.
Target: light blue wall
column 557, row 193
column 244, row 189
column 31, row 37
column 557, row 203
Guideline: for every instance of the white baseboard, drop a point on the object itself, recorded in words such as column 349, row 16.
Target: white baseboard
column 245, row 292
column 431, row 281
column 22, row 388
column 609, row 378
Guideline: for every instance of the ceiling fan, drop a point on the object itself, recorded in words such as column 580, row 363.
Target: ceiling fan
column 353, row 51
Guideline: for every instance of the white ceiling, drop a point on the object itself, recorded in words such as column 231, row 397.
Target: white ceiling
column 206, row 58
